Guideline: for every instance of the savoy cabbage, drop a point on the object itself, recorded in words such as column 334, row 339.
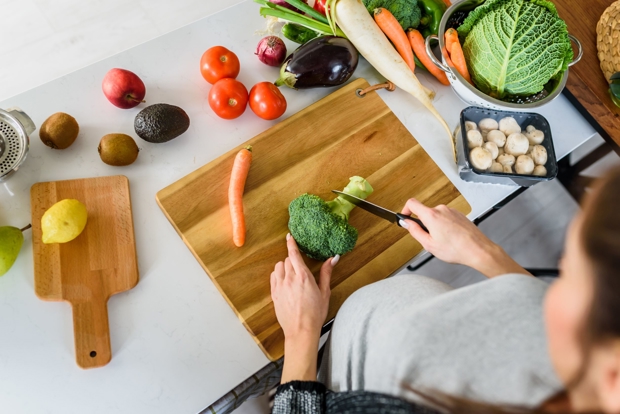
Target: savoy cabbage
column 514, row 47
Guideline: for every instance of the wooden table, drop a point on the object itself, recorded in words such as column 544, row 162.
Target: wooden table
column 587, row 87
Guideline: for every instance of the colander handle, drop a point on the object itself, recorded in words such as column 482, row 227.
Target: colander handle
column 432, row 56
column 579, row 48
column 23, row 119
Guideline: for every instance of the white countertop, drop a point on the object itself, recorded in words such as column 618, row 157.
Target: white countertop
column 176, row 344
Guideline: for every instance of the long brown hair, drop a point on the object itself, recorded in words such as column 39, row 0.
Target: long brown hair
column 600, row 238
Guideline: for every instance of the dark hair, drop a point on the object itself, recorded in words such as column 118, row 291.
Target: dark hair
column 600, row 239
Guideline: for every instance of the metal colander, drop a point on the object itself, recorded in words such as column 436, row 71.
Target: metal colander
column 15, row 126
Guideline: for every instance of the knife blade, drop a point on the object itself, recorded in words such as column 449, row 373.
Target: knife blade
column 379, row 211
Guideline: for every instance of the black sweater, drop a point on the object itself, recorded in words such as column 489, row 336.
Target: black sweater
column 305, row 397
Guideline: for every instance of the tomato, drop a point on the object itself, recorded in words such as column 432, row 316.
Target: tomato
column 228, row 98
column 267, row 101
column 319, row 5
column 218, row 63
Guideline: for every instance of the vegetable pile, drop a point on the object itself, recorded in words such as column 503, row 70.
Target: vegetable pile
column 515, row 47
column 406, row 12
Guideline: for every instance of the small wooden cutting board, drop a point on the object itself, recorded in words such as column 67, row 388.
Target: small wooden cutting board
column 313, row 151
column 97, row 264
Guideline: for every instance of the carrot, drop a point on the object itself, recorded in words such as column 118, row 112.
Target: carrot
column 394, row 31
column 451, row 36
column 240, row 170
column 448, row 3
column 417, row 43
column 453, row 45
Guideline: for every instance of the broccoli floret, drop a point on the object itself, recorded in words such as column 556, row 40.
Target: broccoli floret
column 407, row 12
column 320, row 227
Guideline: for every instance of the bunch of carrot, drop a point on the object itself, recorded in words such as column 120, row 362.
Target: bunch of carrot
column 412, row 42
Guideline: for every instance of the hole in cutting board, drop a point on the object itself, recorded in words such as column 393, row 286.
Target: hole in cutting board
column 93, row 354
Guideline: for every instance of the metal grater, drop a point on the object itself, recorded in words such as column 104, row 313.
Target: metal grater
column 15, row 127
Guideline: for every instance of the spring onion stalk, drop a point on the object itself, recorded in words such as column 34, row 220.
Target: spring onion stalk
column 287, row 15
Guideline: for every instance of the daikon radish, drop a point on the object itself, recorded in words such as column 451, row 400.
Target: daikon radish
column 354, row 20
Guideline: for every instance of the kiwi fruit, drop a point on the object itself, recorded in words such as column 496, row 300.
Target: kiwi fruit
column 118, row 149
column 59, row 131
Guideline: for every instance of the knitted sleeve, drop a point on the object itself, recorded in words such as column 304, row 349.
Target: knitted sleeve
column 300, row 397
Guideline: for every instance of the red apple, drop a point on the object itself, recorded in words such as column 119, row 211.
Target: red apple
column 123, row 88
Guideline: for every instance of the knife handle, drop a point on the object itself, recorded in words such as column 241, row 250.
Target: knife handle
column 405, row 217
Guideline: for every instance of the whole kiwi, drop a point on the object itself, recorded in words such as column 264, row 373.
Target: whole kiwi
column 118, row 149
column 59, row 131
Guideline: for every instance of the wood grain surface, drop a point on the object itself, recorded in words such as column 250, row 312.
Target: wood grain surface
column 97, row 264
column 586, row 81
column 314, row 151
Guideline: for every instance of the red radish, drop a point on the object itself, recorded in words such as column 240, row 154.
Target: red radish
column 271, row 50
column 319, row 5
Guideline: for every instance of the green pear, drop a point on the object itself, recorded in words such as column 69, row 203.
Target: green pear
column 11, row 240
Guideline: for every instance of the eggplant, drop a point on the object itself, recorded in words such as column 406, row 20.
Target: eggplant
column 322, row 62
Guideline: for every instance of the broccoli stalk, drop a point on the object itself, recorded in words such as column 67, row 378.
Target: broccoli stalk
column 320, row 227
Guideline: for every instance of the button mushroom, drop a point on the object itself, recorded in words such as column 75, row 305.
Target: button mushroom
column 492, row 148
column 480, row 158
column 530, row 128
column 496, row 167
column 474, row 138
column 488, row 124
column 497, row 137
column 535, row 137
column 508, row 169
column 540, row 171
column 516, row 144
column 500, row 152
column 506, row 160
column 524, row 165
column 469, row 125
column 509, row 125
column 539, row 155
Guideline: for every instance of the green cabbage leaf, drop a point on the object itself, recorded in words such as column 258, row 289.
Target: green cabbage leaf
column 515, row 47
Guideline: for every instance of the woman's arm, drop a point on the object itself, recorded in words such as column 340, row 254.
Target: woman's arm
column 301, row 308
column 454, row 239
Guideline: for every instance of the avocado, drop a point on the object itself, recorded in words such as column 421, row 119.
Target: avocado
column 160, row 123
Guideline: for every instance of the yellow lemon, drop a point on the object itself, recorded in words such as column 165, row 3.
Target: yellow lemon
column 63, row 221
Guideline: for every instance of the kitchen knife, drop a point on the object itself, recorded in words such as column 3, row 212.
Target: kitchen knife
column 379, row 211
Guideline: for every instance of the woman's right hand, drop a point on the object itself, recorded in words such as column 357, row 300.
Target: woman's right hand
column 454, row 239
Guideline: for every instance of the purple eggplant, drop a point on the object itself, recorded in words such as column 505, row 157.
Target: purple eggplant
column 322, row 62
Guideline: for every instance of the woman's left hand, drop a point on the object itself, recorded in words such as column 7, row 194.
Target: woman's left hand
column 301, row 308
column 300, row 303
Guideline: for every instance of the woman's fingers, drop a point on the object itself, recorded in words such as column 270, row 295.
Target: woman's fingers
column 416, row 231
column 279, row 272
column 293, row 253
column 326, row 273
column 288, row 267
column 413, row 206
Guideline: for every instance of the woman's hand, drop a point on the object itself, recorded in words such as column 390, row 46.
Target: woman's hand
column 301, row 308
column 454, row 239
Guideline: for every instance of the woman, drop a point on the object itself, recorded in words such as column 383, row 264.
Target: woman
column 507, row 341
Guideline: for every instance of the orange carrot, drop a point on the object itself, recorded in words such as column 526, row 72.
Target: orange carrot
column 456, row 54
column 417, row 43
column 448, row 3
column 451, row 36
column 240, row 170
column 394, row 31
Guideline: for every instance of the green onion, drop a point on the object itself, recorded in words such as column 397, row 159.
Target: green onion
column 307, row 9
column 290, row 16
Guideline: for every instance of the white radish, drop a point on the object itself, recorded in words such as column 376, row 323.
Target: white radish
column 360, row 28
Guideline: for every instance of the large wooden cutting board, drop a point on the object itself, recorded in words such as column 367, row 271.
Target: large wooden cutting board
column 97, row 264
column 314, row 151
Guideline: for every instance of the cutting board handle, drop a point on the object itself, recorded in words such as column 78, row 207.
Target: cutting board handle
column 92, row 333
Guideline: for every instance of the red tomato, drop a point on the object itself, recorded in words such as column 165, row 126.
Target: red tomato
column 319, row 5
column 218, row 63
column 228, row 98
column 267, row 101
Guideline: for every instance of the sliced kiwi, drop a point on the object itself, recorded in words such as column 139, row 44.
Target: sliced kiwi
column 118, row 149
column 59, row 131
